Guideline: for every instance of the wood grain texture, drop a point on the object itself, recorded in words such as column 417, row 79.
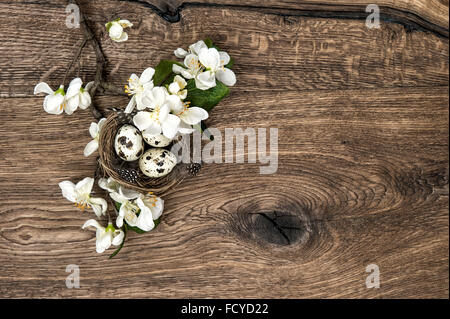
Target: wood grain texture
column 429, row 14
column 363, row 159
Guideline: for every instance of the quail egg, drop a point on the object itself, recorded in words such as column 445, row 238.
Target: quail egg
column 156, row 140
column 157, row 162
column 128, row 143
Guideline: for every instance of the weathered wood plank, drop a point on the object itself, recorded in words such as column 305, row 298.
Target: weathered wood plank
column 363, row 159
column 370, row 181
column 429, row 14
column 312, row 53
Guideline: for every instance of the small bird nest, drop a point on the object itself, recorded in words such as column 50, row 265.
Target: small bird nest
column 128, row 174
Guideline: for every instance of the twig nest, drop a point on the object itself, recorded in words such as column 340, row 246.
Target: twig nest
column 157, row 162
column 128, row 143
column 156, row 140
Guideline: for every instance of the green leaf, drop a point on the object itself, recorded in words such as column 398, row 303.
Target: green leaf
column 163, row 72
column 210, row 44
column 206, row 99
column 121, row 245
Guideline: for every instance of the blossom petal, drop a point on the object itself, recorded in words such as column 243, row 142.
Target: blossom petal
column 53, row 104
column 193, row 115
column 184, row 72
column 90, row 148
column 128, row 193
column 107, row 184
column 85, row 100
column 142, row 120
column 89, row 85
column 131, row 105
column 117, row 197
column 74, row 88
column 175, row 104
column 43, row 88
column 180, row 81
column 174, row 88
column 158, row 96
column 170, row 126
column 118, row 237
column 191, row 61
column 210, row 58
column 101, row 123
column 183, row 94
column 224, row 58
column 158, row 208
column 85, row 185
column 153, row 129
column 175, row 68
column 147, row 75
column 115, row 31
column 104, row 240
column 226, row 76
column 122, row 38
column 197, row 47
column 145, row 218
column 184, row 128
column 119, row 221
column 99, row 205
column 93, row 223
column 93, row 129
column 68, row 190
column 125, row 23
column 205, row 80
column 72, row 104
column 180, row 53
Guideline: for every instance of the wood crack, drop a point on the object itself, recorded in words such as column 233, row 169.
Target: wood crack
column 409, row 20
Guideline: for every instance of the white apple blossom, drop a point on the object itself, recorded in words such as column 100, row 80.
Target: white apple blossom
column 193, row 49
column 77, row 96
column 189, row 115
column 115, row 29
column 192, row 67
column 94, row 130
column 177, row 87
column 55, row 101
column 112, row 186
column 105, row 236
column 138, row 211
column 151, row 208
column 128, row 208
column 205, row 65
column 159, row 118
column 214, row 63
column 80, row 195
column 139, row 87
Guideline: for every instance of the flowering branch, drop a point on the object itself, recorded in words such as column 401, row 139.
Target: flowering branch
column 101, row 61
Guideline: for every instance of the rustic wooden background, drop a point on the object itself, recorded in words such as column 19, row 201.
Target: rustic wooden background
column 363, row 153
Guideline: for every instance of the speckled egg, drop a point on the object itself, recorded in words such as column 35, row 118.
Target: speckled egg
column 128, row 143
column 157, row 162
column 156, row 140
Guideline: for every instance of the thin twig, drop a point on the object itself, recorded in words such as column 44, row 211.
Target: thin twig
column 75, row 59
column 109, row 87
column 101, row 61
